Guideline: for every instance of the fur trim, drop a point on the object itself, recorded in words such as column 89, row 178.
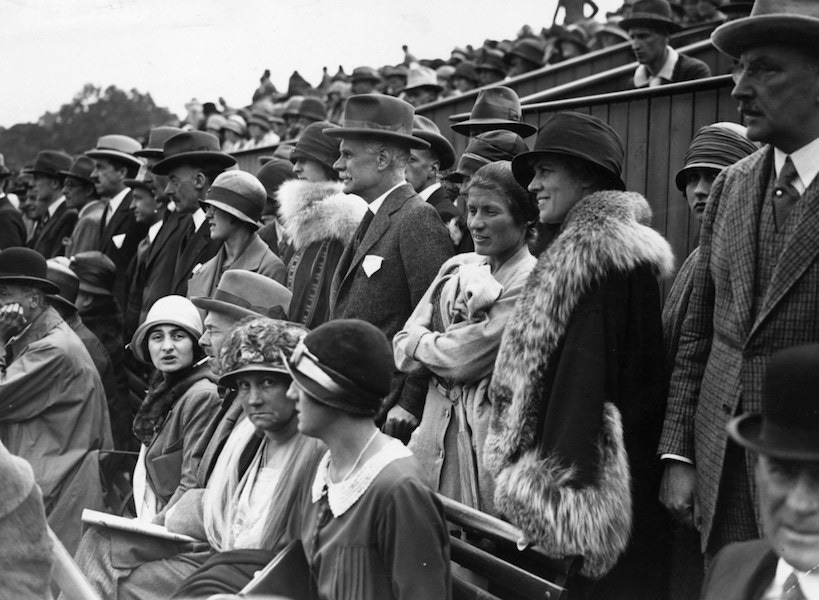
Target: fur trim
column 594, row 521
column 605, row 232
column 317, row 211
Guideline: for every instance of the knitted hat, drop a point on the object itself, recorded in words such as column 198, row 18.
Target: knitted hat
column 315, row 144
column 496, row 107
column 96, row 272
column 26, row 267
column 241, row 294
column 715, row 147
column 346, row 364
column 238, row 193
column 490, row 147
column 168, row 310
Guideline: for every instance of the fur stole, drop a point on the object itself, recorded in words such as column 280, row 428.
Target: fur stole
column 605, row 232
column 163, row 393
column 315, row 212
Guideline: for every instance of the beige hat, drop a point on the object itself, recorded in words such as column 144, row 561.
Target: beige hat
column 169, row 310
column 240, row 194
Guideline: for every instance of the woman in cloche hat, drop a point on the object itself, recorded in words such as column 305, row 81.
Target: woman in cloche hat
column 577, row 394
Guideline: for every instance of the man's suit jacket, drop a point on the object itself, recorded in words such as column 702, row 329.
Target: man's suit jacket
column 728, row 334
column 408, row 235
column 198, row 250
column 60, row 225
column 12, row 229
column 156, row 269
column 741, row 571
column 121, row 222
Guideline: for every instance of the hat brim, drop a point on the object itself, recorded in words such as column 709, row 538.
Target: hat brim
column 523, row 171
column 68, row 174
column 149, row 153
column 299, row 154
column 440, row 146
column 407, row 140
column 679, row 179
column 199, row 157
column 438, row 88
column 232, row 211
column 746, row 430
column 318, row 392
column 233, row 311
column 225, row 379
column 651, row 22
column 44, row 284
column 116, row 155
column 734, row 37
column 62, row 301
column 471, row 126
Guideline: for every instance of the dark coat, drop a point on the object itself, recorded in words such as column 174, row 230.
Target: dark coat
column 49, row 239
column 198, row 250
column 160, row 261
column 741, row 571
column 578, row 398
column 121, row 222
column 439, row 199
column 12, row 229
column 409, row 236
column 688, row 69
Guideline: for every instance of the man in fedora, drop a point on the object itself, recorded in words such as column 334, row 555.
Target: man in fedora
column 120, row 234
column 785, row 439
column 755, row 283
column 399, row 245
column 490, row 66
column 527, row 54
column 495, row 108
column 191, row 161
column 51, row 393
column 364, row 80
column 81, row 195
column 649, row 26
column 426, row 164
column 12, row 228
column 56, row 219
column 422, row 86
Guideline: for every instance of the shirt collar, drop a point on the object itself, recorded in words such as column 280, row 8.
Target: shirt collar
column 113, row 203
column 427, row 192
column 198, row 219
column 153, row 230
column 52, row 208
column 376, row 204
column 808, row 582
column 806, row 162
column 644, row 77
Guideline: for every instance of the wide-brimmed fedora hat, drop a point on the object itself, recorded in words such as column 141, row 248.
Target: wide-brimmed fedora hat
column 117, row 147
column 240, row 194
column 198, row 148
column 715, row 147
column 365, row 74
column 788, row 426
column 312, row 108
column 66, row 280
column 793, row 22
column 577, row 135
column 489, row 147
column 81, row 168
column 424, row 128
column 168, row 310
column 496, row 107
column 52, row 163
column 346, row 364
column 241, row 294
column 96, row 272
column 422, row 77
column 653, row 14
column 156, row 141
column 315, row 144
column 378, row 116
column 25, row 267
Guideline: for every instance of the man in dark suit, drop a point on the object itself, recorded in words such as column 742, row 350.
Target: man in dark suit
column 785, row 565
column 755, row 283
column 401, row 242
column 12, row 229
column 56, row 220
column 426, row 164
column 120, row 233
column 191, row 161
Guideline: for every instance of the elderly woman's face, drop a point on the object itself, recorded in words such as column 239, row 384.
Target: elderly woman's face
column 491, row 224
column 264, row 399
column 555, row 189
column 170, row 348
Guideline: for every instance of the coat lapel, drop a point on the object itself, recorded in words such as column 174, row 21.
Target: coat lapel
column 166, row 232
column 118, row 218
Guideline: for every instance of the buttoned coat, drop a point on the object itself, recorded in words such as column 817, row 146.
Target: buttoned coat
column 60, row 225
column 741, row 571
column 12, row 230
column 121, row 222
column 198, row 250
column 725, row 342
column 408, row 236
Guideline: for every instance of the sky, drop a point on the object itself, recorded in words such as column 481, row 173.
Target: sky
column 182, row 49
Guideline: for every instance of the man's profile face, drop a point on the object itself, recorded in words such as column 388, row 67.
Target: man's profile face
column 357, row 167
column 419, row 169
column 107, row 178
column 46, row 189
column 217, row 326
column 789, row 507
column 648, row 45
column 777, row 89
column 181, row 189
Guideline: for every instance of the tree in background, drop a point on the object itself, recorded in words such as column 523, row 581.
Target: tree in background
column 75, row 128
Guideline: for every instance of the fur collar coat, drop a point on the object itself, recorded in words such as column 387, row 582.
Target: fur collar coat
column 556, row 444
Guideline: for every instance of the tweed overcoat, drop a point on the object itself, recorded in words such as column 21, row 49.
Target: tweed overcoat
column 410, row 240
column 725, row 343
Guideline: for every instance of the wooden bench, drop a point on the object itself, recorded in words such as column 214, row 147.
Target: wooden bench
column 488, row 547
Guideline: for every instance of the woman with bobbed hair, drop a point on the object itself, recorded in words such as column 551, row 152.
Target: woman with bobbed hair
column 577, row 393
column 455, row 331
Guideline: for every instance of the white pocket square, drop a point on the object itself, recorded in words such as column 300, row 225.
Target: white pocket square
column 118, row 240
column 371, row 264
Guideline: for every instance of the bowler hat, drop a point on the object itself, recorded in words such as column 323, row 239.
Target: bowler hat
column 168, row 310
column 428, row 131
column 788, row 426
column 578, row 135
column 466, row 70
column 117, row 147
column 274, row 173
column 241, row 294
column 51, row 163
column 96, row 272
column 793, row 22
column 156, row 140
column 346, row 364
column 260, row 344
column 528, row 49
column 653, row 14
column 496, row 107
column 197, row 148
column 315, row 144
column 364, row 74
column 715, row 147
column 25, row 267
column 81, row 168
column 66, row 280
column 422, row 77
column 489, row 147
column 312, row 108
column 240, row 194
column 378, row 116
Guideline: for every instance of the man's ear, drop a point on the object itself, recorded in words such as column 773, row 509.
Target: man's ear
column 199, row 180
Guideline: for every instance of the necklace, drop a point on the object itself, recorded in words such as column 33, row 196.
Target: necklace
column 357, row 460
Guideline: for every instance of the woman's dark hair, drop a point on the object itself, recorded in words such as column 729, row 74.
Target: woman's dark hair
column 596, row 177
column 497, row 177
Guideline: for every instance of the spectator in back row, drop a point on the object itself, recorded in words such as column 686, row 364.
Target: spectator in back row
column 81, row 195
column 56, row 220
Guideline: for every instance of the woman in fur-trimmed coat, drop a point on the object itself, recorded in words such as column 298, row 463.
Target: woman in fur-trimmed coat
column 577, row 392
